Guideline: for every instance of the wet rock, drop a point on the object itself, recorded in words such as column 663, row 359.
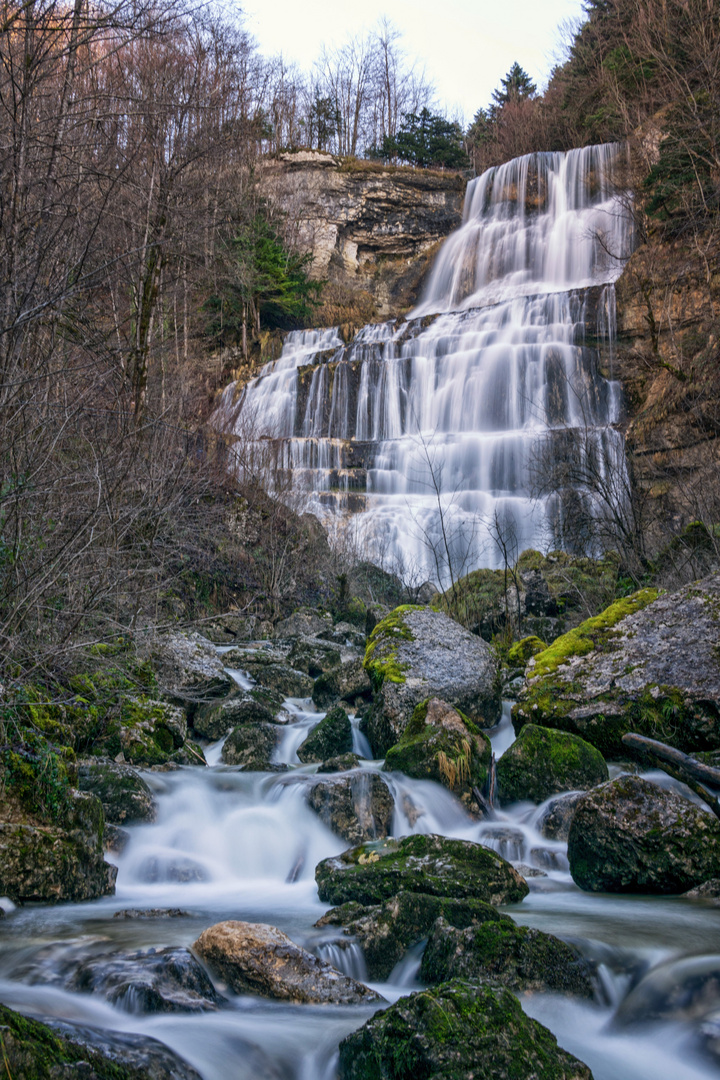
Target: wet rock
column 341, row 763
column 439, row 744
column 709, row 892
column 386, row 931
column 215, row 720
column 357, row 807
column 190, row 753
column 456, row 1031
column 122, row 791
column 333, row 735
column 259, row 959
column 153, row 913
column 543, row 762
column 326, row 690
column 314, row 657
column 162, row 980
column 354, row 681
column 505, row 954
column 681, row 989
column 375, row 871
column 284, row 679
column 115, row 839
column 189, row 668
column 414, row 654
column 252, row 746
column 557, row 817
column 632, row 836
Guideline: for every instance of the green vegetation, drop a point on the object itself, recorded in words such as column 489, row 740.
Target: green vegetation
column 544, row 762
column 454, row 754
column 426, row 140
column 381, row 661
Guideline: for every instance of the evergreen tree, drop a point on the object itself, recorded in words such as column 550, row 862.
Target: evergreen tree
column 516, row 86
column 426, row 139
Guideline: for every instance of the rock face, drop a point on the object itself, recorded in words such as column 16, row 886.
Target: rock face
column 163, row 980
column 373, row 872
column 332, row 736
column 259, row 959
column 504, row 954
column 252, row 746
column 416, row 653
column 648, row 664
column 632, row 836
column 124, row 795
column 439, row 745
column 543, row 762
column 357, row 807
column 457, row 1031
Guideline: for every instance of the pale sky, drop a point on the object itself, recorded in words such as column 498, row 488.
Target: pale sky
column 466, row 45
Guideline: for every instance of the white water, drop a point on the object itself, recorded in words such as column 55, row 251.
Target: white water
column 412, row 422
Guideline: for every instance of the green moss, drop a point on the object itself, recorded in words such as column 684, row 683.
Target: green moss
column 519, row 653
column 381, row 661
column 456, row 759
column 544, row 762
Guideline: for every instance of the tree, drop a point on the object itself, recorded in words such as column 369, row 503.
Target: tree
column 516, row 86
column 427, row 140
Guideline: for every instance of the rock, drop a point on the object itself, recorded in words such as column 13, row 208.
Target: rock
column 150, row 731
column 214, row 721
column 386, row 931
column 457, row 1031
column 281, row 678
column 543, row 762
column 162, row 980
column 709, row 892
column 115, row 839
column 557, row 818
column 314, row 657
column 332, row 736
column 54, row 864
column 122, row 791
column 414, row 654
column 252, row 746
column 303, row 624
column 523, row 650
column 259, row 959
column 341, row 763
column 34, row 1051
column 326, row 690
column 344, row 633
column 685, row 988
column 228, row 628
column 191, row 753
column 632, row 836
column 504, row 954
column 647, row 664
column 189, row 668
column 375, row 871
column 354, row 681
column 439, row 744
column 357, row 807
column 152, row 913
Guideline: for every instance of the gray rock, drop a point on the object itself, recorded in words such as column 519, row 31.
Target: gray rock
column 331, row 736
column 354, row 681
column 188, row 667
column 557, row 816
column 708, row 892
column 162, row 980
column 124, row 795
column 314, row 657
column 357, row 807
column 303, row 624
column 341, row 763
column 282, row 678
column 252, row 746
column 214, row 721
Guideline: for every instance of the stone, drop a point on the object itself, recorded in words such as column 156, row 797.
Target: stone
column 416, row 653
column 357, row 807
column 150, row 731
column 115, row 839
column 156, row 981
column 344, row 633
column 341, row 763
column 282, row 678
column 708, row 892
column 152, row 913
column 386, row 931
column 456, row 1031
column 632, row 836
column 259, row 959
column 302, row 624
column 648, row 664
column 680, row 988
column 460, row 869
column 215, row 720
column 439, row 744
column 543, row 762
column 354, row 681
column 523, row 650
column 504, row 954
column 124, row 795
column 557, row 817
column 331, row 736
column 189, row 668
column 326, row 690
column 252, row 746
column 314, row 657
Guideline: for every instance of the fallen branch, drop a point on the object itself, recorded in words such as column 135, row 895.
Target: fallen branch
column 680, row 766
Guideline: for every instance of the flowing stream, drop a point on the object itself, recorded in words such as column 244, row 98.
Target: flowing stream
column 233, row 845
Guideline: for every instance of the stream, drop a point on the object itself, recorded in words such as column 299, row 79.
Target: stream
column 233, row 845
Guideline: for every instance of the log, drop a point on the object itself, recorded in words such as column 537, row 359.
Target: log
column 680, row 766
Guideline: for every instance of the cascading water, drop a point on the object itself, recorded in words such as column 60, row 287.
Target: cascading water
column 433, row 431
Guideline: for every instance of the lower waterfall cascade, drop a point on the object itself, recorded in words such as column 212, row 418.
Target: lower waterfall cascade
column 430, row 433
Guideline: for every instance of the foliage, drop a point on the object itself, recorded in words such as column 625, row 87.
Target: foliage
column 426, row 140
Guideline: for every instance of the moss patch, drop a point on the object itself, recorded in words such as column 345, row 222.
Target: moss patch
column 381, row 660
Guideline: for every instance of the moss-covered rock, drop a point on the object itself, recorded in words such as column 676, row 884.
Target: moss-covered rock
column 453, row 1032
column 505, row 954
column 212, row 721
column 332, row 736
column 375, row 871
column 544, row 762
column 632, row 836
column 523, row 650
column 439, row 744
column 357, row 807
column 252, row 746
column 124, row 795
column 145, row 730
column 326, row 690
column 340, row 763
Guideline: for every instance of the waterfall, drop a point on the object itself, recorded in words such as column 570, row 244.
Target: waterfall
column 432, row 433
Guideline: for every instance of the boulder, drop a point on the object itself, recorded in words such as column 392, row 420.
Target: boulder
column 375, row 871
column 252, row 746
column 160, row 980
column 386, row 931
column 303, row 624
column 708, row 892
column 456, row 1031
column 354, row 681
column 543, row 762
column 150, row 731
column 326, row 690
column 341, row 763
column 557, row 816
column 357, row 807
column 282, row 678
column 215, row 720
column 332, row 736
column 632, row 836
column 259, row 959
column 647, row 664
column 124, row 795
column 314, row 657
column 115, row 839
column 414, row 654
column 505, row 954
column 345, row 633
column 677, row 989
column 189, row 668
column 439, row 744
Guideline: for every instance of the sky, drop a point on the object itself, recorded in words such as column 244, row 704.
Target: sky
column 465, row 45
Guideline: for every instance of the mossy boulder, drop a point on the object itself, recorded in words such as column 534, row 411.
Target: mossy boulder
column 632, row 836
column 439, row 744
column 332, row 736
column 453, row 1032
column 212, row 721
column 375, row 871
column 314, row 657
column 505, row 954
column 251, row 746
column 357, row 807
column 326, row 690
column 415, row 653
column 285, row 680
column 647, row 664
column 523, row 650
column 124, row 795
column 544, row 762
column 386, row 931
